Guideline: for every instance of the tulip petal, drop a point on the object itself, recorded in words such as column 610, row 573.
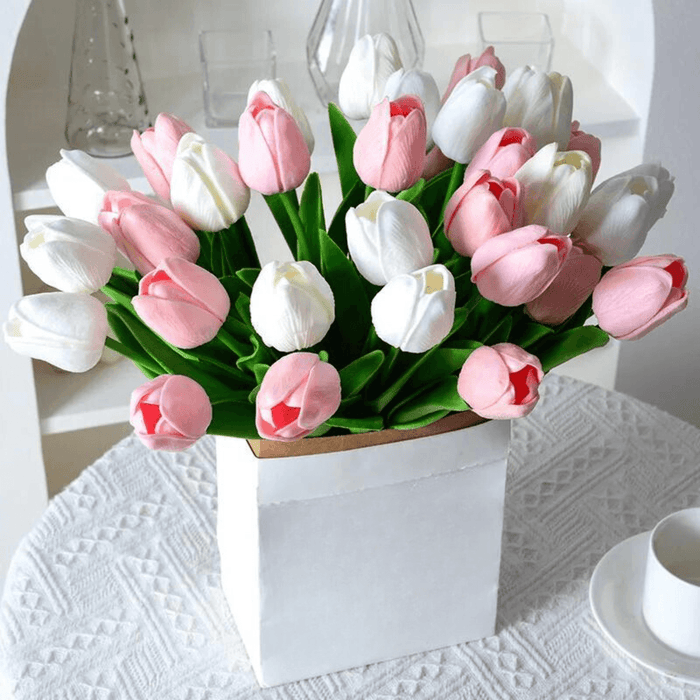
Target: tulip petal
column 321, row 397
column 185, row 406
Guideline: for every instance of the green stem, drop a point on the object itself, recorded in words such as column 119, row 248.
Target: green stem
column 456, row 180
column 248, row 242
column 115, row 345
column 291, row 205
column 368, row 191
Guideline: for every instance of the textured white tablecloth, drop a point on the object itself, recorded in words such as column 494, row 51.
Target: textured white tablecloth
column 115, row 594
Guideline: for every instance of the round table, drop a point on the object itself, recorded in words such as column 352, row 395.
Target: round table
column 115, row 593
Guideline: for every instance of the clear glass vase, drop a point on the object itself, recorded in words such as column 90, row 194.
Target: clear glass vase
column 340, row 23
column 106, row 101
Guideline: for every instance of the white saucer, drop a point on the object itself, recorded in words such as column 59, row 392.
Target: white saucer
column 616, row 600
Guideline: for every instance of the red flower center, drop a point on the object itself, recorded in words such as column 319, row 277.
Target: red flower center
column 677, row 272
column 283, row 415
column 522, row 381
column 496, row 188
column 400, row 109
column 512, row 136
column 151, row 415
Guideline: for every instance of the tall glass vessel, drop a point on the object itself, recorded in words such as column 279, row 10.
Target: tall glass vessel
column 340, row 23
column 105, row 96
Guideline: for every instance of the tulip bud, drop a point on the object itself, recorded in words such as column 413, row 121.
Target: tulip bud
column 504, row 153
column 67, row 330
column 155, row 151
column 637, row 296
column 466, row 65
column 297, row 394
column 272, row 154
column 516, row 267
column 470, row 115
column 500, row 382
column 78, row 184
column 171, row 412
column 206, row 188
column 69, row 254
column 436, row 162
column 387, row 237
column 621, row 210
column 183, row 303
column 556, row 187
column 372, row 60
column 541, row 103
column 389, row 152
column 291, row 305
column 415, row 312
column 483, row 207
column 581, row 141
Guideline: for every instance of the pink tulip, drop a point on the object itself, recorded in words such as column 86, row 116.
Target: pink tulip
column 155, row 151
column 501, row 381
column 297, row 394
column 516, row 267
column 146, row 232
column 581, row 141
column 171, row 412
column 436, row 162
column 505, row 152
column 183, row 303
column 272, row 154
column 466, row 65
column 389, row 153
column 637, row 296
column 570, row 288
column 483, row 207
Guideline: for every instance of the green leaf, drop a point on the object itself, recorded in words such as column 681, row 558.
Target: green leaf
column 261, row 354
column 343, row 144
column 260, row 370
column 445, row 361
column 117, row 296
column 205, row 252
column 530, row 333
column 234, row 286
column 364, row 424
column 433, row 197
column 323, row 356
column 127, row 281
column 311, row 215
column 337, row 231
column 442, row 396
column 421, row 422
column 147, row 364
column 321, row 430
column 355, row 376
column 233, row 419
column 412, row 193
column 455, row 182
column 280, row 207
column 247, row 275
column 557, row 349
column 500, row 332
column 242, row 307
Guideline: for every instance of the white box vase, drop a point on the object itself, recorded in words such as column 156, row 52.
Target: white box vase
column 343, row 558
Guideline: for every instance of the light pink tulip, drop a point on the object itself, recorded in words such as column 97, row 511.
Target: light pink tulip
column 570, row 288
column 297, row 394
column 171, row 412
column 516, row 267
column 483, row 207
column 272, row 154
column 155, row 151
column 504, row 153
column 183, row 303
column 389, row 153
column 637, row 296
column 581, row 141
column 500, row 382
column 436, row 162
column 466, row 65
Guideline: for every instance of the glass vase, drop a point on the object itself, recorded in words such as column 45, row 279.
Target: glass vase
column 340, row 23
column 106, row 101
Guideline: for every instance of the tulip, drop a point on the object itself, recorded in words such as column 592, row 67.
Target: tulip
column 291, row 305
column 637, row 296
column 389, row 153
column 436, row 162
column 171, row 412
column 556, row 187
column 78, row 184
column 183, row 303
column 516, row 267
column 278, row 91
column 415, row 311
column 621, row 210
column 387, row 237
column 206, row 188
column 69, row 254
column 470, row 115
column 483, row 207
column 466, row 65
column 577, row 278
column 65, row 329
column 504, row 153
column 155, row 151
column 541, row 103
column 372, row 60
column 500, row 382
column 297, row 394
column 581, row 141
column 272, row 154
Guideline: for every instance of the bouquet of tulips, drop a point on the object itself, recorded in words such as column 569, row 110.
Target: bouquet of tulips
column 466, row 259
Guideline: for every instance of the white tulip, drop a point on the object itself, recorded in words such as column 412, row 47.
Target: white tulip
column 472, row 112
column 621, row 210
column 66, row 330
column 291, row 305
column 278, row 91
column 556, row 187
column 78, row 184
column 372, row 60
column 540, row 103
column 206, row 188
column 69, row 254
column 387, row 237
column 415, row 312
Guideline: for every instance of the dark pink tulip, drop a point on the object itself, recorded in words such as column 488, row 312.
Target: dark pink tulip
column 466, row 65
column 581, row 141
column 436, row 162
column 504, row 153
